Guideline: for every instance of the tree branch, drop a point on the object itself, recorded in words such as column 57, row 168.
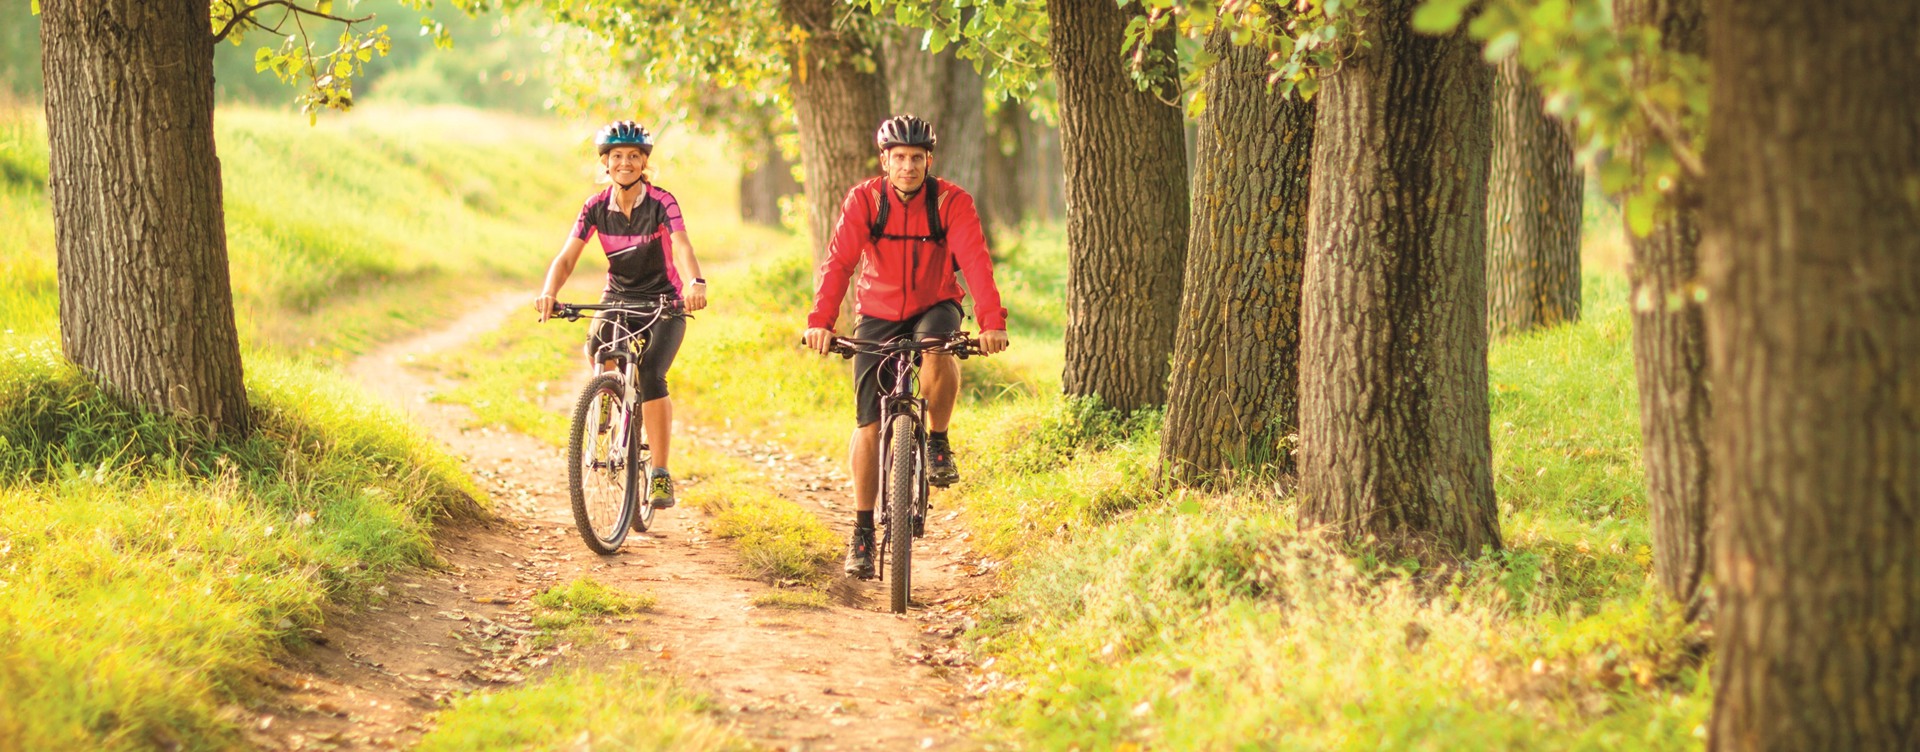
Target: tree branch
column 1664, row 124
column 245, row 14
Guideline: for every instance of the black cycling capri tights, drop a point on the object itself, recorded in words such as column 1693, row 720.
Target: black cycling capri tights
column 663, row 344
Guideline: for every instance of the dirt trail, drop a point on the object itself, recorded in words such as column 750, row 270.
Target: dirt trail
column 849, row 677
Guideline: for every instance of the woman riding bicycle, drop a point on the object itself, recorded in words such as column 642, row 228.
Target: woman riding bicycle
column 914, row 231
column 649, row 260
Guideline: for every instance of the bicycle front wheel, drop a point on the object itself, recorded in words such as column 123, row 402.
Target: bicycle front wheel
column 903, row 483
column 601, row 475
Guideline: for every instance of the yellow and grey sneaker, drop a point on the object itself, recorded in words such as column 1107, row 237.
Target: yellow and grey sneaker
column 660, row 489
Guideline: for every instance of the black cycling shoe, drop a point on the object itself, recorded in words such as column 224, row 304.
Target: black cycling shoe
column 860, row 554
column 940, row 469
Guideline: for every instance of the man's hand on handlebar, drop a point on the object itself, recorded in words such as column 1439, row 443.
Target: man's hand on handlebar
column 818, row 339
column 993, row 341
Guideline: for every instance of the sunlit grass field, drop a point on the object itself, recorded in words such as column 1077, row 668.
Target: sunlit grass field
column 361, row 229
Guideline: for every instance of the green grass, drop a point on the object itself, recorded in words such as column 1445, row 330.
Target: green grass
column 794, row 600
column 148, row 572
column 777, row 541
column 362, row 229
column 627, row 707
column 586, row 597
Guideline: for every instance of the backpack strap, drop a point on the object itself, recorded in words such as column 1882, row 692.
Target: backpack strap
column 935, row 232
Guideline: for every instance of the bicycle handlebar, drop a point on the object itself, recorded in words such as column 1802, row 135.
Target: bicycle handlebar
column 663, row 307
column 959, row 344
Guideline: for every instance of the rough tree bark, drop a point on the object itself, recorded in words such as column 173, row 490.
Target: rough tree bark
column 146, row 306
column 1533, row 211
column 1233, row 400
column 1393, row 387
column 1126, row 209
column 1669, row 341
column 839, row 103
column 1811, row 256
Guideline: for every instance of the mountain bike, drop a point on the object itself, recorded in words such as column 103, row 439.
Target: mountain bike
column 903, row 449
column 607, row 458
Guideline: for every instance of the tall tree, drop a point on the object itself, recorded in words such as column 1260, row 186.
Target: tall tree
column 146, row 306
column 1124, row 155
column 947, row 92
column 1669, row 335
column 1811, row 254
column 840, row 100
column 1533, row 211
column 1393, row 389
column 1233, row 400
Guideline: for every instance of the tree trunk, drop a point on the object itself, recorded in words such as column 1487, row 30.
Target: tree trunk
column 145, row 303
column 946, row 91
column 1533, row 211
column 762, row 187
column 1393, row 386
column 963, row 134
column 1002, row 195
column 1669, row 341
column 1811, row 256
column 1233, row 400
column 838, row 105
column 1126, row 209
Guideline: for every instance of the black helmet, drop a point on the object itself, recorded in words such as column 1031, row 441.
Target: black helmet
column 623, row 133
column 905, row 130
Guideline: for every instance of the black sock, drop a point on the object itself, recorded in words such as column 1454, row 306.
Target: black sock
column 863, row 520
column 936, row 435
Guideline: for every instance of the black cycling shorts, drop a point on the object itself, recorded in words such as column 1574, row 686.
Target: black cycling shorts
column 663, row 343
column 868, row 382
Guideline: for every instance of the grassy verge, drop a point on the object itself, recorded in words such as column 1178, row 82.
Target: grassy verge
column 1138, row 618
column 147, row 572
column 622, row 708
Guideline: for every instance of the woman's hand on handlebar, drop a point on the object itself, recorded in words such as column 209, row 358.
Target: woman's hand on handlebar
column 545, row 305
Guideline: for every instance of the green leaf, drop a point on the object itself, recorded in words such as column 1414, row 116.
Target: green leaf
column 1439, row 16
column 1639, row 210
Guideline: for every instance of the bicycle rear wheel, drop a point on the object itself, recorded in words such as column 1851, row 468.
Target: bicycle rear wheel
column 903, row 480
column 601, row 476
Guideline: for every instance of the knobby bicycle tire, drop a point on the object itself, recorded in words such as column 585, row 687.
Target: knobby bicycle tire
column 902, row 483
column 590, row 449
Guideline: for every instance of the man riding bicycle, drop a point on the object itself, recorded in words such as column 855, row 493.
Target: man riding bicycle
column 914, row 231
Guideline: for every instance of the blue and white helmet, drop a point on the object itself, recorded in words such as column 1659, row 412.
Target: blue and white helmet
column 623, row 133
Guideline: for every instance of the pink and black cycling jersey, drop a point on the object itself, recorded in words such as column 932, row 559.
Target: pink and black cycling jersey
column 639, row 245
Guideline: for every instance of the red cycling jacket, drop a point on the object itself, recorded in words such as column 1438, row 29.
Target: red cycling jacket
column 905, row 277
